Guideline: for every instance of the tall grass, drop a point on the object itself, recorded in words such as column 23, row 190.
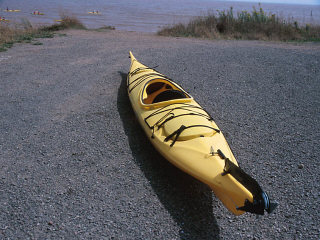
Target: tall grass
column 24, row 32
column 255, row 25
column 11, row 34
column 66, row 23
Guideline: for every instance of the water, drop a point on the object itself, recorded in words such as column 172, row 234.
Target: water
column 143, row 15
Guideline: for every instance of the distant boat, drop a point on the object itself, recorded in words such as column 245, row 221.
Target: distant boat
column 94, row 12
column 11, row 10
column 37, row 13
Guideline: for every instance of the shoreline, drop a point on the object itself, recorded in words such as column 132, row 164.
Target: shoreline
column 155, row 16
column 255, row 25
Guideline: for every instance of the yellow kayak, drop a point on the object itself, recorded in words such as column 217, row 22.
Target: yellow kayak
column 186, row 135
column 11, row 10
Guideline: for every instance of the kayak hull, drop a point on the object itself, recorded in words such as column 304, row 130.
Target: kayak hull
column 185, row 134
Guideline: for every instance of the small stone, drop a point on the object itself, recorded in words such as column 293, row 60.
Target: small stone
column 300, row 166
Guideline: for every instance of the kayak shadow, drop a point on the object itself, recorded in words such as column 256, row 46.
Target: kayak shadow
column 188, row 201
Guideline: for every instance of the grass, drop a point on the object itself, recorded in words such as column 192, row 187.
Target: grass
column 24, row 32
column 257, row 25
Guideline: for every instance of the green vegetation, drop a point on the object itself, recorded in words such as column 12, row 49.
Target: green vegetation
column 24, row 32
column 256, row 25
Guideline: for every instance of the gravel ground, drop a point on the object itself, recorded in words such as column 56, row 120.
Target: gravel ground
column 74, row 163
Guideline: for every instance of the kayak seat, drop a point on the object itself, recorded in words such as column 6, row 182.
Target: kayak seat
column 154, row 87
column 168, row 95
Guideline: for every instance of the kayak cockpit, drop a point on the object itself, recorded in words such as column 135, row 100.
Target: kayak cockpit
column 158, row 91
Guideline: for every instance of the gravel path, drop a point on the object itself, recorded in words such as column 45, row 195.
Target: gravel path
column 74, row 163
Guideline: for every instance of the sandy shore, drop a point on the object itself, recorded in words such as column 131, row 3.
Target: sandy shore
column 74, row 163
